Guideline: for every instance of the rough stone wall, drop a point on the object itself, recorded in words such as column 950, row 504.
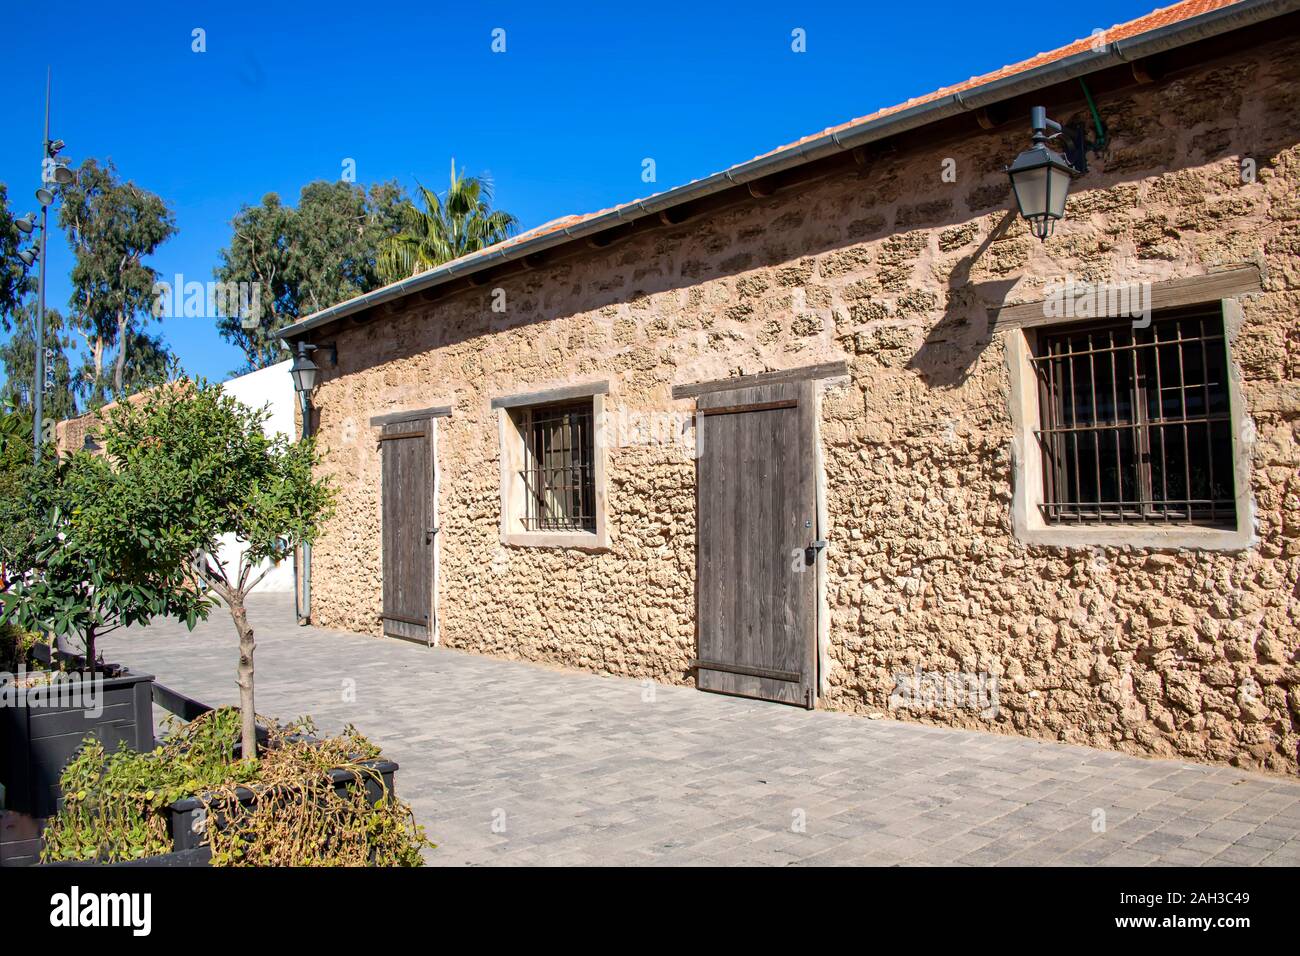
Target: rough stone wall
column 1187, row 653
column 70, row 433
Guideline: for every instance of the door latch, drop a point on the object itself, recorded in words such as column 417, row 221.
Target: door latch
column 810, row 552
column 430, row 532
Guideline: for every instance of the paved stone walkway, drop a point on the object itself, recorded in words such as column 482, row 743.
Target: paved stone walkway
column 514, row 763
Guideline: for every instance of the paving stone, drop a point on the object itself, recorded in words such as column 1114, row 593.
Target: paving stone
column 1229, row 831
column 1239, row 855
column 1129, row 857
column 1158, row 843
column 1288, row 855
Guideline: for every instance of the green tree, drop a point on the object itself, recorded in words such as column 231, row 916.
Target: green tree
column 15, row 281
column 19, row 357
column 339, row 228
column 462, row 222
column 149, row 362
column 259, row 254
column 100, row 557
column 24, row 492
column 207, row 468
column 112, row 228
column 304, row 259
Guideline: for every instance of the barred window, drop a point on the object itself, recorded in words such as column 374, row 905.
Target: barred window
column 1135, row 424
column 558, row 470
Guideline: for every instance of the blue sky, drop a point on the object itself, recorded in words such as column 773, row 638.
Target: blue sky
column 562, row 120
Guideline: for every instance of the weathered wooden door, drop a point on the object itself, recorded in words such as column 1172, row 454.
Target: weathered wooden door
column 408, row 529
column 757, row 543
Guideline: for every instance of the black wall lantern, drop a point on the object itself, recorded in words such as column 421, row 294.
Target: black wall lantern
column 1040, row 176
column 305, row 372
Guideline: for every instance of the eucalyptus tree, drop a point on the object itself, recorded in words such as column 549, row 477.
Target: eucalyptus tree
column 447, row 228
column 149, row 362
column 260, row 253
column 23, row 492
column 112, row 227
column 15, row 280
column 19, row 357
column 303, row 259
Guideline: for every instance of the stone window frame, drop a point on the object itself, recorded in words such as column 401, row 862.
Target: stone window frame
column 511, row 444
column 1020, row 327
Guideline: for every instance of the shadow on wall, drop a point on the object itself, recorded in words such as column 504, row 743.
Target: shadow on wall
column 951, row 347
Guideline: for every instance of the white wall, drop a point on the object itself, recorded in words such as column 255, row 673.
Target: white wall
column 272, row 387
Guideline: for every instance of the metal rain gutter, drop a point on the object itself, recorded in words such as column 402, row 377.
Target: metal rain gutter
column 1204, row 26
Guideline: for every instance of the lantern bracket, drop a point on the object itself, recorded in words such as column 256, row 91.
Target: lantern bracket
column 1073, row 139
column 1075, row 146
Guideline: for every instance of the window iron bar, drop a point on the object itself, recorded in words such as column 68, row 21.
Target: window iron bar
column 1102, row 462
column 558, row 472
column 1129, row 426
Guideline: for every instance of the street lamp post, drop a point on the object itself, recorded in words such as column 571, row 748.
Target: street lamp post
column 53, row 172
column 306, row 373
column 38, row 385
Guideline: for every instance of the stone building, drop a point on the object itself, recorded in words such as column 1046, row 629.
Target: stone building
column 834, row 428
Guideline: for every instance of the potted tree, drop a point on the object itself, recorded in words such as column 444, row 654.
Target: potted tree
column 206, row 467
column 180, row 468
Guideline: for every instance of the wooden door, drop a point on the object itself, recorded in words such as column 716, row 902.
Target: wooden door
column 757, row 528
column 408, row 529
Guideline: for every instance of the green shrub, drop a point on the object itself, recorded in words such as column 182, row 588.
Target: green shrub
column 17, row 648
column 115, row 804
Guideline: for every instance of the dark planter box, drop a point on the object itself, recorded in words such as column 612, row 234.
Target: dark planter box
column 40, row 735
column 199, row 856
column 190, row 819
column 20, row 839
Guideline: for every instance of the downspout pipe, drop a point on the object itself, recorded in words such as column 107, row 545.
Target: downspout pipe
column 1204, row 26
column 303, row 609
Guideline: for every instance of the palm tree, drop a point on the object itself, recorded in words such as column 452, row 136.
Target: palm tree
column 447, row 229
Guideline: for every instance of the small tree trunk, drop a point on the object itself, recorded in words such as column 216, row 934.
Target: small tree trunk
column 90, row 649
column 246, row 646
